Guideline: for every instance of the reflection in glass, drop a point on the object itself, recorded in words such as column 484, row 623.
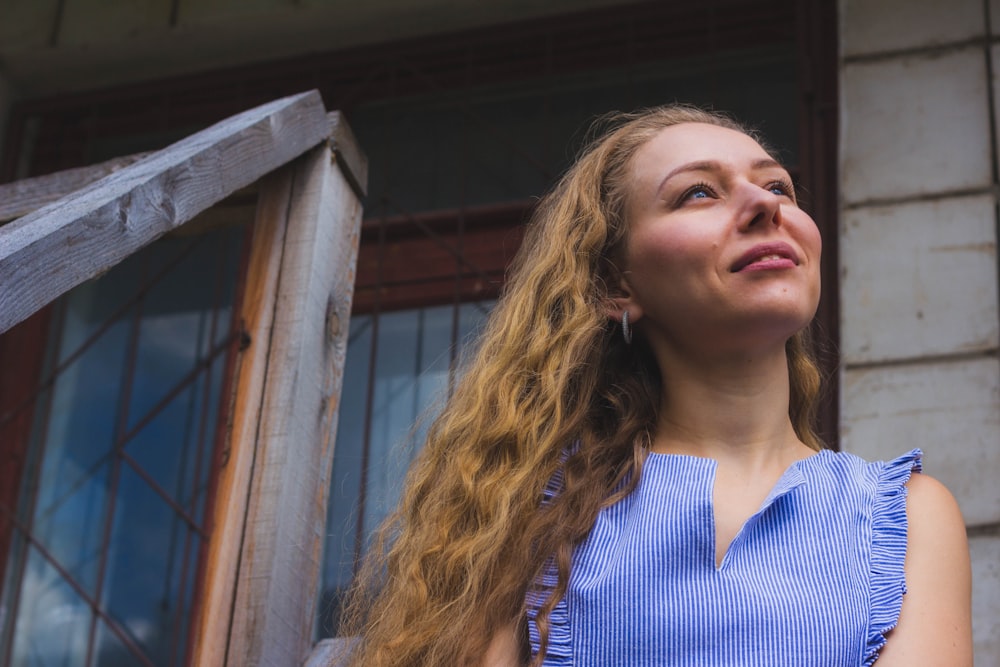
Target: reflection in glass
column 121, row 461
column 49, row 602
column 415, row 356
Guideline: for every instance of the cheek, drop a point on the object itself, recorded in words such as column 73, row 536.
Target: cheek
column 807, row 232
column 815, row 244
column 667, row 254
column 815, row 240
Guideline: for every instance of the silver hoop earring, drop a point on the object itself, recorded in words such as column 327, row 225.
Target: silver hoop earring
column 626, row 329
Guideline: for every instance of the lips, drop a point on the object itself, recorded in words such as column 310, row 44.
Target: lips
column 767, row 255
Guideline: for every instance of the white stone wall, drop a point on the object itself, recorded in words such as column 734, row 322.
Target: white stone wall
column 918, row 251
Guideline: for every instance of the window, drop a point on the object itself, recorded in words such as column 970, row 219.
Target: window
column 399, row 367
column 110, row 525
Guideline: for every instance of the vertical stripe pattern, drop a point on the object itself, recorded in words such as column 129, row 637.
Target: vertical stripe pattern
column 813, row 578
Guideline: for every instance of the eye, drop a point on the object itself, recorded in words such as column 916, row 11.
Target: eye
column 781, row 188
column 699, row 191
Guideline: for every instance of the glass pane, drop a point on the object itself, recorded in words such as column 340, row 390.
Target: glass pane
column 70, row 525
column 149, row 569
column 174, row 448
column 345, row 481
column 142, row 348
column 53, row 623
column 196, row 490
column 472, row 318
column 111, row 652
column 179, row 322
column 78, row 439
column 411, row 371
column 413, row 362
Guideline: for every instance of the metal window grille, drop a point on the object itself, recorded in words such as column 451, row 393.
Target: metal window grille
column 107, row 537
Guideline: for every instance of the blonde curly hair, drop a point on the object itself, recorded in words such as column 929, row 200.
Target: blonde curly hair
column 454, row 563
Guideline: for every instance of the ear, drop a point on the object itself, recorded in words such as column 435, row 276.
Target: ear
column 622, row 298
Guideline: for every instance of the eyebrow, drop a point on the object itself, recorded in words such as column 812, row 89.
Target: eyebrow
column 713, row 165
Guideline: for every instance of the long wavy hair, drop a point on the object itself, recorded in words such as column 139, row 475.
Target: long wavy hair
column 552, row 389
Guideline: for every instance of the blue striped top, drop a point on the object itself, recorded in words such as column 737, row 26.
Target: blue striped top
column 813, row 578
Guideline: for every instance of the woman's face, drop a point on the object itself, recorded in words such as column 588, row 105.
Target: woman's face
column 718, row 252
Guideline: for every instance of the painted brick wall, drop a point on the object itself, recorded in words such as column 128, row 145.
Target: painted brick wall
column 918, row 251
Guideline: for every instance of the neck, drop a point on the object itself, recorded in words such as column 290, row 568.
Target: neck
column 732, row 409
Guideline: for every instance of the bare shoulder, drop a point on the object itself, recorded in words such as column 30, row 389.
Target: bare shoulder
column 935, row 623
column 929, row 501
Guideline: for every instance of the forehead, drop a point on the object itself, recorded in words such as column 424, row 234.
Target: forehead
column 695, row 142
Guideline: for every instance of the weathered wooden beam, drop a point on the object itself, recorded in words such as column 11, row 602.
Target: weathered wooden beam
column 282, row 546
column 352, row 160
column 211, row 628
column 45, row 253
column 30, row 194
column 263, row 568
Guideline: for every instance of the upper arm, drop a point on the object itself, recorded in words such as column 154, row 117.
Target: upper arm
column 935, row 622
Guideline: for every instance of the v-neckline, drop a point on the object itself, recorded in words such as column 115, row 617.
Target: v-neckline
column 790, row 479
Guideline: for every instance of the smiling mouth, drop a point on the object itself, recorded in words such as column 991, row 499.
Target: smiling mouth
column 771, row 255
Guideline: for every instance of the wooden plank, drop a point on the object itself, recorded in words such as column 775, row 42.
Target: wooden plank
column 211, row 628
column 45, row 253
column 30, row 194
column 279, row 569
column 352, row 160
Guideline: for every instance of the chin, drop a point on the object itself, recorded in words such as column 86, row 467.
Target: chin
column 780, row 306
column 774, row 325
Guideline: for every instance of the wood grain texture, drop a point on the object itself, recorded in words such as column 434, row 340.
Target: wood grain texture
column 282, row 548
column 211, row 628
column 30, row 194
column 352, row 160
column 46, row 253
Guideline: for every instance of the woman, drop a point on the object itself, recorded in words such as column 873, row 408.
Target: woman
column 627, row 472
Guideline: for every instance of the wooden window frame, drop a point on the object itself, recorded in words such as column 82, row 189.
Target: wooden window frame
column 262, row 568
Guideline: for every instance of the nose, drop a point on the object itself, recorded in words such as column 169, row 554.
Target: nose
column 761, row 207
